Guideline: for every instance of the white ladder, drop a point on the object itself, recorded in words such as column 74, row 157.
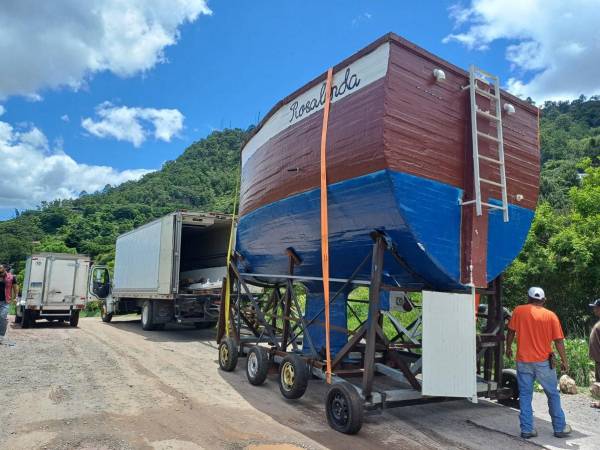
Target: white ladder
column 477, row 76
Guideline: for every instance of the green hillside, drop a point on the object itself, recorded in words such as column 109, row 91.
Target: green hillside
column 562, row 253
column 202, row 178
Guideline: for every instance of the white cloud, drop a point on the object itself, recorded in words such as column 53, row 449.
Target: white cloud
column 47, row 44
column 32, row 172
column 65, row 118
column 554, row 45
column 361, row 18
column 134, row 124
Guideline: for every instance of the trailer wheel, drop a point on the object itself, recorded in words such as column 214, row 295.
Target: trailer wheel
column 228, row 354
column 27, row 320
column 257, row 365
column 293, row 377
column 204, row 325
column 344, row 408
column 148, row 316
column 106, row 316
column 510, row 381
column 74, row 319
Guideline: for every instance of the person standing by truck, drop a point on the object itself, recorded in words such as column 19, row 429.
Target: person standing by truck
column 536, row 328
column 8, row 292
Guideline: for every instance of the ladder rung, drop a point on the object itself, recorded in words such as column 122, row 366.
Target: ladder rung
column 488, row 136
column 492, row 160
column 484, row 180
column 485, row 73
column 488, row 115
column 485, row 93
column 489, row 205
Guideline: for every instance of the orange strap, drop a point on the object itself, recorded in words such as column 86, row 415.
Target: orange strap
column 324, row 219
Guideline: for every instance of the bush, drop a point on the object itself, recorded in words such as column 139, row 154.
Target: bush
column 92, row 309
column 580, row 365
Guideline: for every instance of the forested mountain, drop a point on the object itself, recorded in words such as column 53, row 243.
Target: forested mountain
column 562, row 252
column 202, row 178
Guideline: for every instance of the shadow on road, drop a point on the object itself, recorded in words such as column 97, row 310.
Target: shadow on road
column 452, row 424
column 171, row 333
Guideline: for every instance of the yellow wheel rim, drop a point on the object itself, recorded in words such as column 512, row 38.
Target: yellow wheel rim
column 288, row 375
column 224, row 354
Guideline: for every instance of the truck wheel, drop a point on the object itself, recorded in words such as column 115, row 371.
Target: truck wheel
column 257, row 365
column 18, row 318
column 27, row 320
column 344, row 408
column 293, row 377
column 204, row 325
column 104, row 315
column 74, row 319
column 509, row 380
column 148, row 316
column 228, row 354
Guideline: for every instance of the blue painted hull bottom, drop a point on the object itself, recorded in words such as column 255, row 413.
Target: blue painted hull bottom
column 421, row 216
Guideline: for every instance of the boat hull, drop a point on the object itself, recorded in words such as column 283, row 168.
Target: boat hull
column 421, row 216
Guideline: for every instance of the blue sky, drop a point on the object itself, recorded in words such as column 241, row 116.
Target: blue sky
column 229, row 63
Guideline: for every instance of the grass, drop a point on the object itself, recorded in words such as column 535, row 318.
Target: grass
column 362, row 311
column 580, row 364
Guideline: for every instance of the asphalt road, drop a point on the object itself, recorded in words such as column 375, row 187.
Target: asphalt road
column 114, row 386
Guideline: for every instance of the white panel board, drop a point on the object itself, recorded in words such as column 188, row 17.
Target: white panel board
column 137, row 258
column 449, row 351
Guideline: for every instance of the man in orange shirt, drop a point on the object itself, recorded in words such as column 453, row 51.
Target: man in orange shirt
column 536, row 328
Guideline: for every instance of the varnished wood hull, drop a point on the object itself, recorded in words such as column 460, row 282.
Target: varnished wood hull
column 398, row 160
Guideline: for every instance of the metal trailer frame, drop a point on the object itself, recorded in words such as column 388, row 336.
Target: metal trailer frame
column 269, row 329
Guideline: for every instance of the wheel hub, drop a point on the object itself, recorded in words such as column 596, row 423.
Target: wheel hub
column 224, row 354
column 339, row 409
column 288, row 375
column 252, row 364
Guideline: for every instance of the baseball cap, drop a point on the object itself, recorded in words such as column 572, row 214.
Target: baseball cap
column 536, row 292
column 595, row 303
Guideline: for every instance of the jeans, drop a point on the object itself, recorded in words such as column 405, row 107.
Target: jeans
column 3, row 317
column 527, row 373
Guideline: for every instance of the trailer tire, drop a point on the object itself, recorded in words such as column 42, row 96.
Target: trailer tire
column 205, row 325
column 510, row 380
column 228, row 354
column 27, row 320
column 293, row 376
column 74, row 319
column 257, row 365
column 104, row 315
column 344, row 408
column 148, row 316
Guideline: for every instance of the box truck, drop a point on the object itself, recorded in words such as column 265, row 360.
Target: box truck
column 169, row 270
column 55, row 287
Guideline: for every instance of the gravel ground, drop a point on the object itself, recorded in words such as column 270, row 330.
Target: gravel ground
column 115, row 386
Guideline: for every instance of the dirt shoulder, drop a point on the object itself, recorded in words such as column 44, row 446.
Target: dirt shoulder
column 115, row 386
